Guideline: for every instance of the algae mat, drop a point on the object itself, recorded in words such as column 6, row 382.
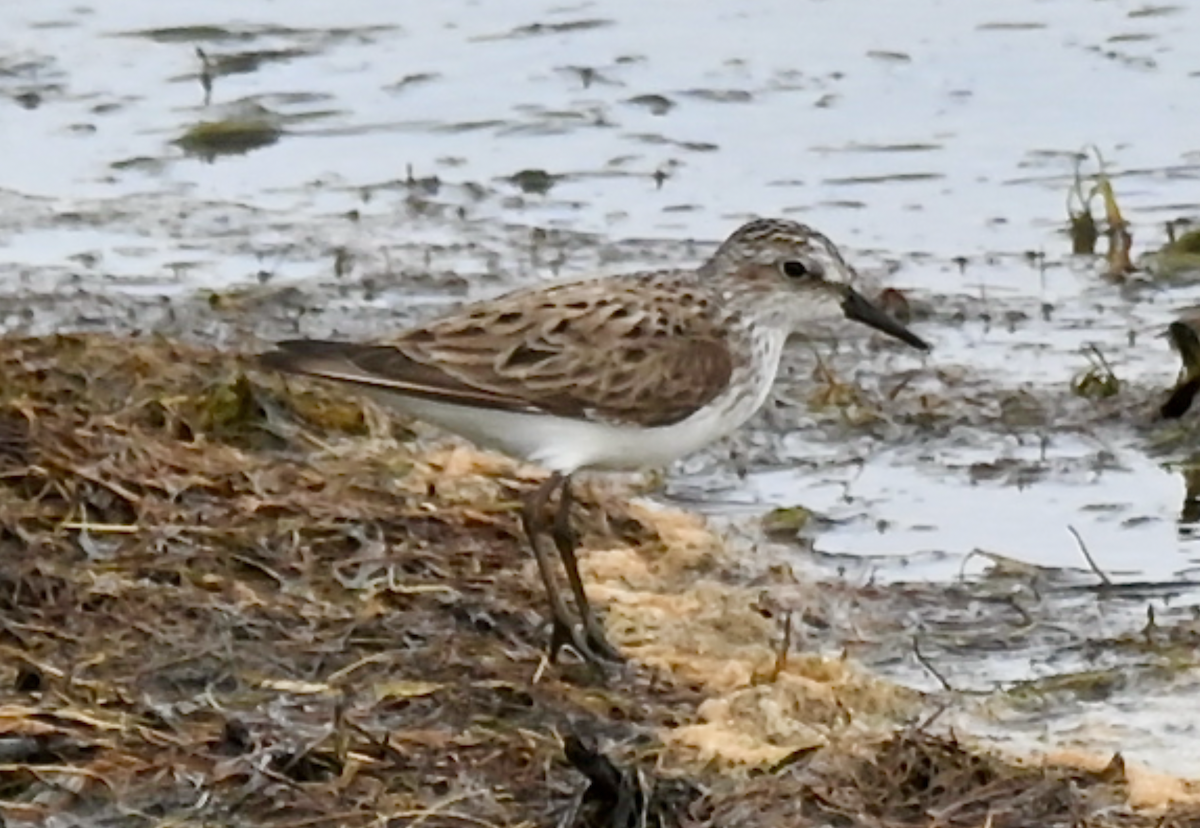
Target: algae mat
column 229, row 600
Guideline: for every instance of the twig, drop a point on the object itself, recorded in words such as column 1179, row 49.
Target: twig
column 1088, row 557
column 250, row 563
column 785, row 646
column 206, row 75
column 419, row 816
column 1026, row 617
column 102, row 528
column 932, row 717
column 319, row 818
column 929, row 666
column 67, row 770
column 120, row 491
column 376, row 658
column 1092, row 348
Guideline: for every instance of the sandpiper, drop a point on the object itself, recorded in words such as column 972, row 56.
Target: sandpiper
column 1184, row 334
column 614, row 373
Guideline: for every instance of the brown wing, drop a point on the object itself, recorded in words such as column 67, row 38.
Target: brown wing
column 622, row 353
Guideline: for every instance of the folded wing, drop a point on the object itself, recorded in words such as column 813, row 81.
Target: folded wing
column 618, row 356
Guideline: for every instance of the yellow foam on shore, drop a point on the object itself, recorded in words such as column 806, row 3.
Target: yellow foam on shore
column 668, row 608
column 1147, row 789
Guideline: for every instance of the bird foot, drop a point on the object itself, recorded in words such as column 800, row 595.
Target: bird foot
column 592, row 647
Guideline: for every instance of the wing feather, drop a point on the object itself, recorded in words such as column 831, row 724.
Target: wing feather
column 622, row 352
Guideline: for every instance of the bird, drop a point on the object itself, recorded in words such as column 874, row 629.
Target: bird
column 1184, row 334
column 607, row 373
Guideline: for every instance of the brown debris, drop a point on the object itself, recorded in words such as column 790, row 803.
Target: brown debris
column 230, row 599
column 207, row 576
column 914, row 778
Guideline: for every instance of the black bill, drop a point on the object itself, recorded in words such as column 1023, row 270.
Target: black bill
column 859, row 308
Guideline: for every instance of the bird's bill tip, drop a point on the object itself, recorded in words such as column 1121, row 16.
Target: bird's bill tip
column 860, row 309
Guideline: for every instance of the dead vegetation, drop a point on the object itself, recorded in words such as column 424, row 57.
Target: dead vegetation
column 227, row 600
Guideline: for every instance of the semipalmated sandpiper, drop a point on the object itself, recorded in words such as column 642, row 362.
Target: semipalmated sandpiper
column 620, row 372
column 1184, row 334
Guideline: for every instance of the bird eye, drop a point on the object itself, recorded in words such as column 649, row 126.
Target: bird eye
column 799, row 270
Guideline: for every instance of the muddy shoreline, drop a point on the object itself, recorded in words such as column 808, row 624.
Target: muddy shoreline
column 226, row 597
column 1005, row 528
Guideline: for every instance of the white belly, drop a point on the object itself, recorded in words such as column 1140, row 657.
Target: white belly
column 565, row 444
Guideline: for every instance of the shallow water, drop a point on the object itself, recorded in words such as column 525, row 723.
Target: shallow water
column 897, row 518
column 936, row 141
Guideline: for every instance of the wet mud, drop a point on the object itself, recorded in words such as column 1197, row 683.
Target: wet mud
column 239, row 599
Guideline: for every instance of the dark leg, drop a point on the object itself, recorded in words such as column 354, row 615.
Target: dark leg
column 533, row 518
column 566, row 540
